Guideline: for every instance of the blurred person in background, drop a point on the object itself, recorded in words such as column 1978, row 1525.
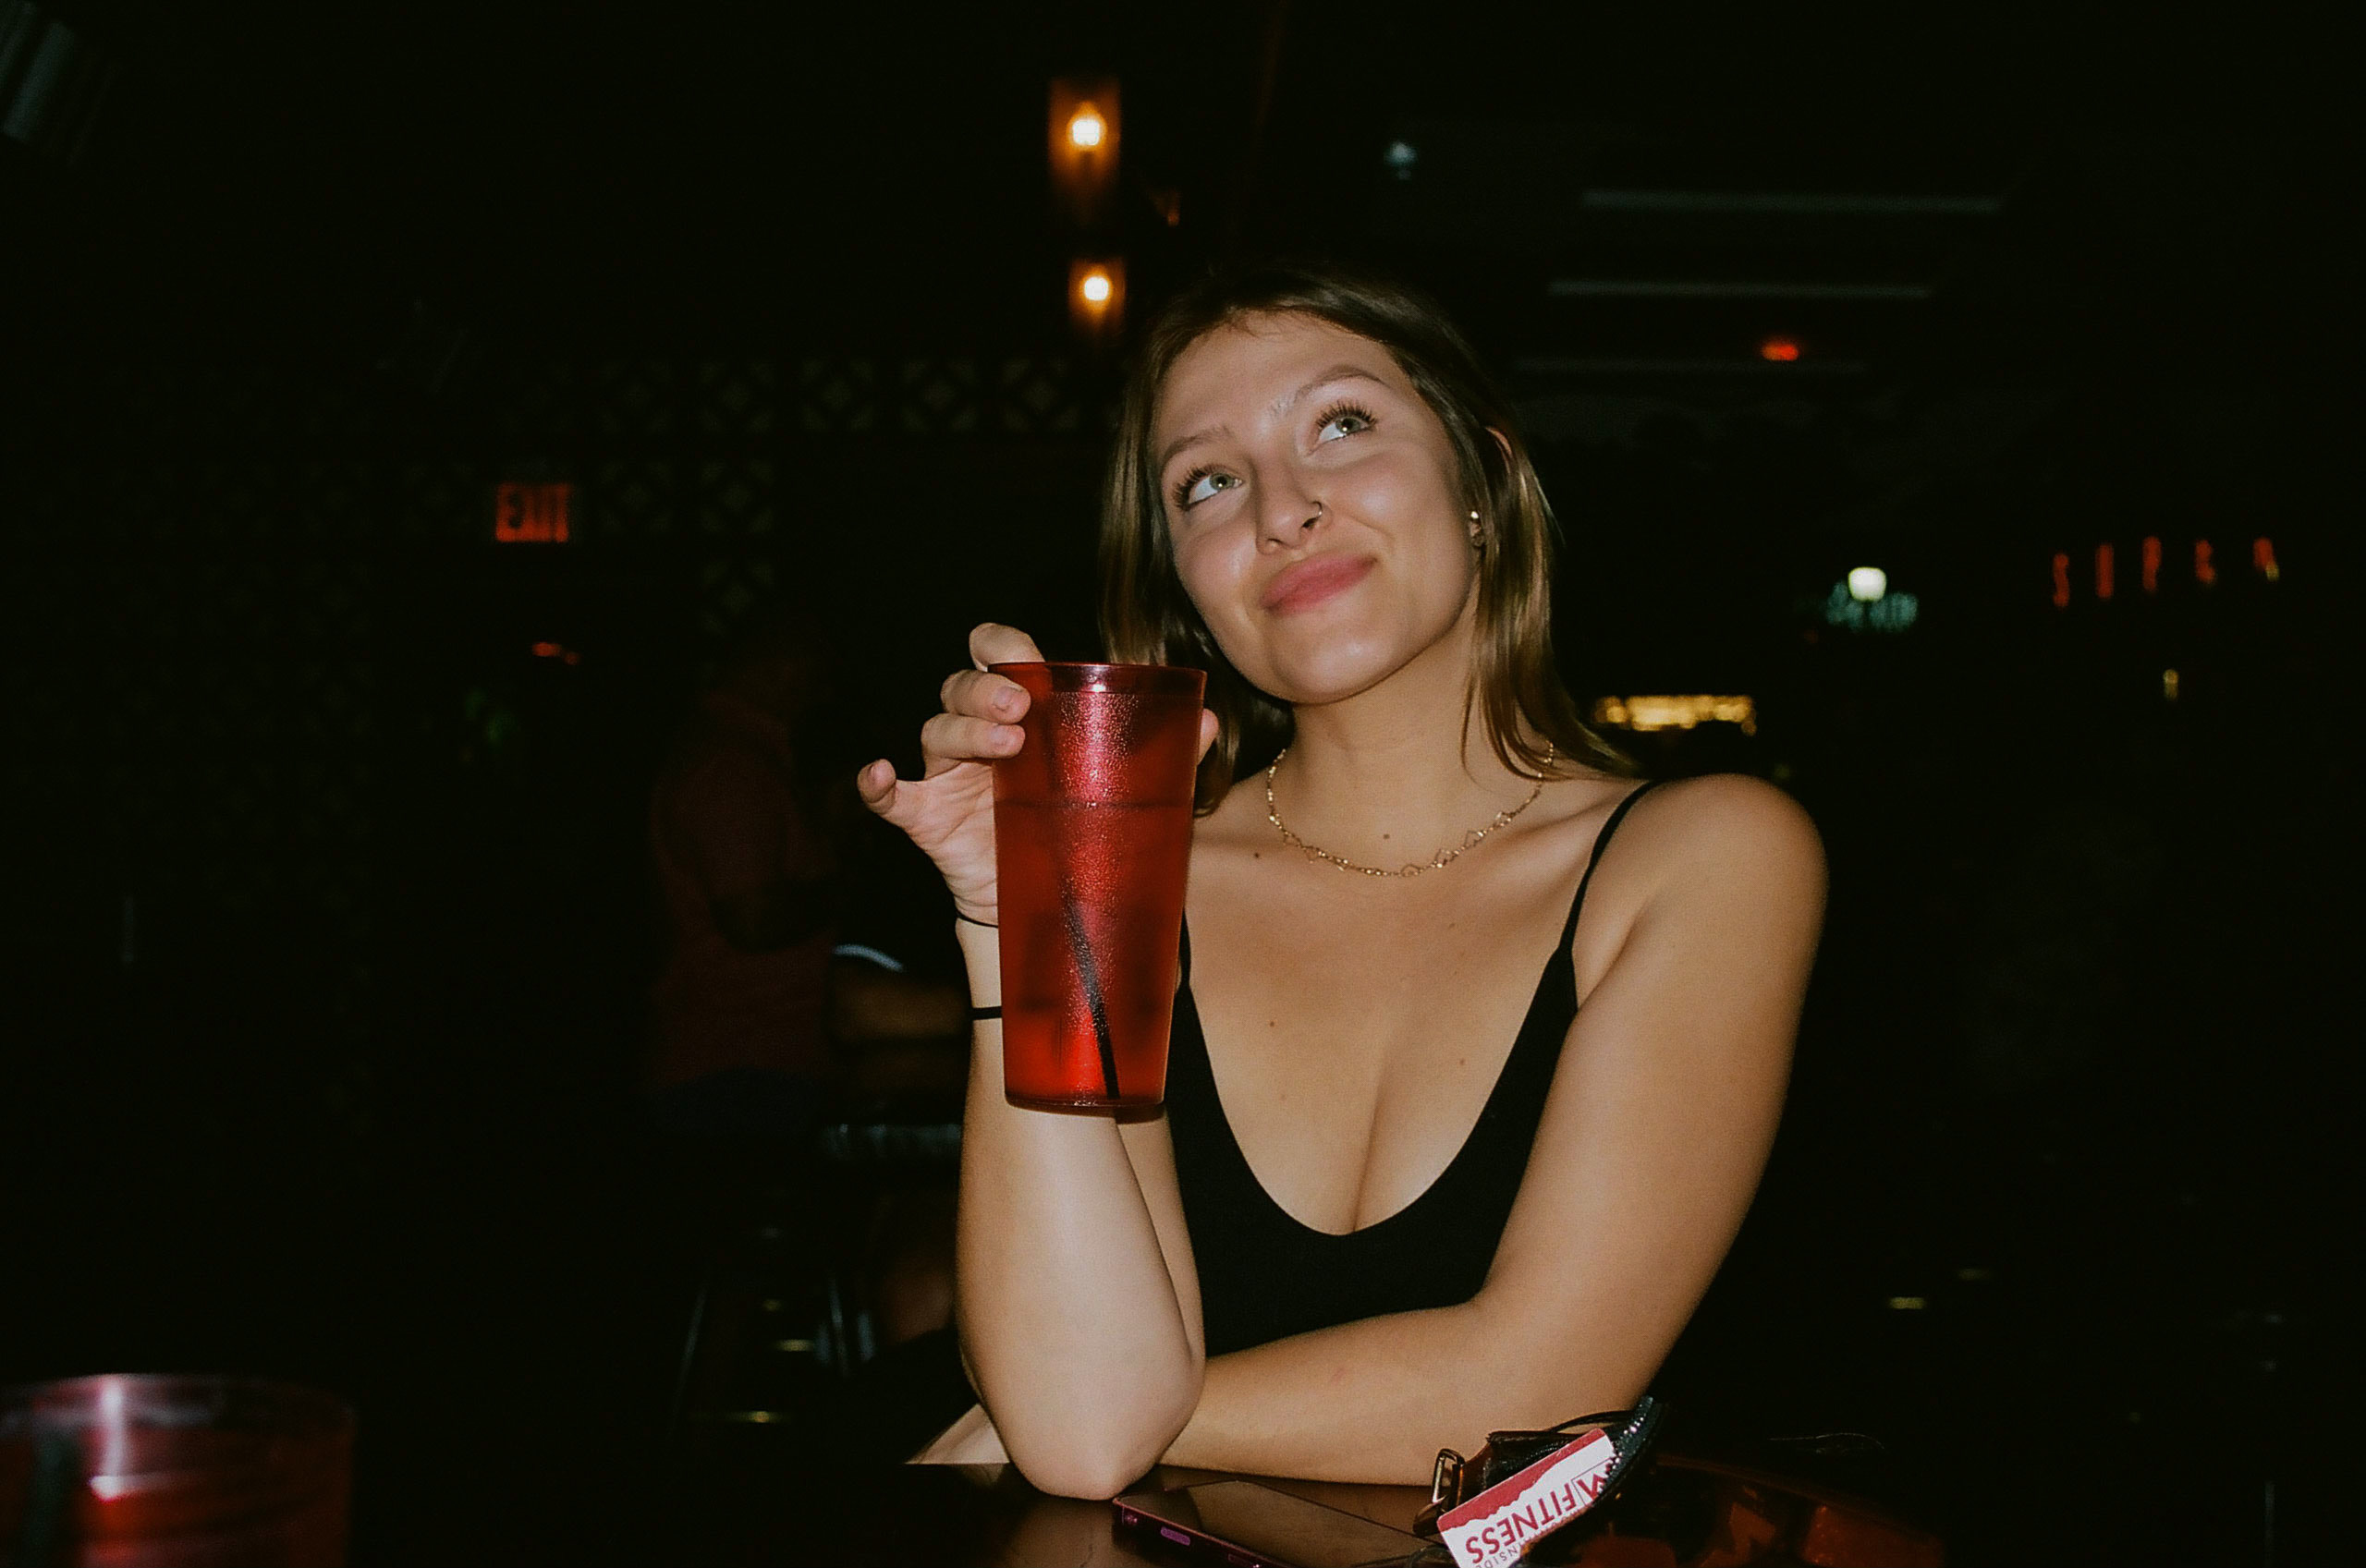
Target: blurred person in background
column 747, row 877
column 764, row 1021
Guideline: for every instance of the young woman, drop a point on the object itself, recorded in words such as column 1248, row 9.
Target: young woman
column 1465, row 1104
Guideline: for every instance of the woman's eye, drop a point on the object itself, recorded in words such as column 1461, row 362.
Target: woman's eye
column 1199, row 487
column 1346, row 421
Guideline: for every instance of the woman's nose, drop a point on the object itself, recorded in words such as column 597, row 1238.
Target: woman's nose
column 1290, row 522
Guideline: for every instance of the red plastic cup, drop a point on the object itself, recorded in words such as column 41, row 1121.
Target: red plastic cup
column 1092, row 844
column 173, row 1472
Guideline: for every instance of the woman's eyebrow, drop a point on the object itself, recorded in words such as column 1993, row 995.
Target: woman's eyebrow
column 1337, row 372
column 1180, row 442
column 1281, row 406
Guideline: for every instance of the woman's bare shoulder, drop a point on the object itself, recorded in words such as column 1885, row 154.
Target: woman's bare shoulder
column 1699, row 852
column 1719, row 817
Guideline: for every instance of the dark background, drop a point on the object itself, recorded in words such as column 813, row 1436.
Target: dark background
column 326, row 915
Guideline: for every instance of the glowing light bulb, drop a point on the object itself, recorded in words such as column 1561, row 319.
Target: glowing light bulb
column 1086, row 128
column 1867, row 584
column 1095, row 287
column 1782, row 350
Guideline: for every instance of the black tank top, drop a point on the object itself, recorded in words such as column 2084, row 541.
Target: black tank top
column 1265, row 1276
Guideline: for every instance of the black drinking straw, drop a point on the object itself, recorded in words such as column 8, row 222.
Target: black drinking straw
column 1090, row 973
column 1087, row 972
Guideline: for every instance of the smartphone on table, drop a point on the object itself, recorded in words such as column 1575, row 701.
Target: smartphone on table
column 1242, row 1525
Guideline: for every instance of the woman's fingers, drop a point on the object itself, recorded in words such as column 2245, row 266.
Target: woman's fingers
column 983, row 696
column 993, row 644
column 955, row 737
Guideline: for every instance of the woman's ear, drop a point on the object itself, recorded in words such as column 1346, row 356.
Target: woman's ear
column 1503, row 447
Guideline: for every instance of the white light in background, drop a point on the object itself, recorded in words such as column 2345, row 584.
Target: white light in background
column 1867, row 584
column 1095, row 287
column 1086, row 128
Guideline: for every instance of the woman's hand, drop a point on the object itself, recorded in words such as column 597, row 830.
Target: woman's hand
column 949, row 810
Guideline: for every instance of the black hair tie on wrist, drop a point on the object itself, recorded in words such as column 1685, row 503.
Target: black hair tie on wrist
column 987, row 925
column 980, row 1015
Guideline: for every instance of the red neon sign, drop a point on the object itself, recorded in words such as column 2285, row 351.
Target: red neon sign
column 2153, row 556
column 531, row 513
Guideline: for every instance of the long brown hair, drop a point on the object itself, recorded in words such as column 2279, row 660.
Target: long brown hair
column 1147, row 617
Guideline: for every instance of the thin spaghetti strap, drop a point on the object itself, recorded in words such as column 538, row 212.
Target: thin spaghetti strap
column 1601, row 842
column 1183, row 974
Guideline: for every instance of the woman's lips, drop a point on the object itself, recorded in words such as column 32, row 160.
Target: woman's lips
column 1309, row 583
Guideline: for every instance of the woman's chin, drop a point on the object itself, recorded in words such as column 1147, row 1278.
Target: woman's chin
column 1330, row 676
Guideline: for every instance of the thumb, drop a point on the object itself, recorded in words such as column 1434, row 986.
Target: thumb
column 883, row 791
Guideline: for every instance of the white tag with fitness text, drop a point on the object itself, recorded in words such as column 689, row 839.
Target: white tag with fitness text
column 1493, row 1528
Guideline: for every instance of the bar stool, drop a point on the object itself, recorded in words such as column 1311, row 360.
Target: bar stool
column 781, row 1312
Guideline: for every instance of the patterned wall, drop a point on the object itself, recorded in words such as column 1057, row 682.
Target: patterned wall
column 245, row 606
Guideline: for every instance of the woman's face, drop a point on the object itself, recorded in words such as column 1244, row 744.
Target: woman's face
column 1310, row 494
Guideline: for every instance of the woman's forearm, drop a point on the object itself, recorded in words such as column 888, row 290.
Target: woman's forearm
column 1069, row 1319
column 1375, row 1401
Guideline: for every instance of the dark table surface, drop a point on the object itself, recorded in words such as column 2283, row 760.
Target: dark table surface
column 1682, row 1513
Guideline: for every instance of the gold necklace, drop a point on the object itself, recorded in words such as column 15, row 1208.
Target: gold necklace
column 1443, row 858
